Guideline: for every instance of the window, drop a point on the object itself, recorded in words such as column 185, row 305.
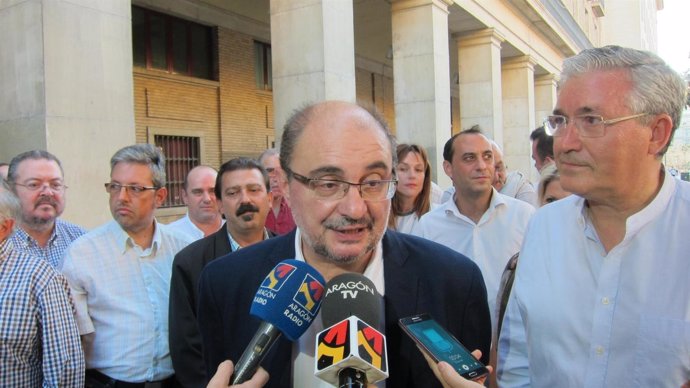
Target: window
column 262, row 66
column 170, row 44
column 182, row 153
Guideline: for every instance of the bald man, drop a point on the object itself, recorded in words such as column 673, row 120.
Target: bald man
column 198, row 193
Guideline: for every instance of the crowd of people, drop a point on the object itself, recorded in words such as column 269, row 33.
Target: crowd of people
column 580, row 279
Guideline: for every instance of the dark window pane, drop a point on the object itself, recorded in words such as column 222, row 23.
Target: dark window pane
column 158, row 51
column 201, row 51
column 269, row 69
column 179, row 47
column 139, row 36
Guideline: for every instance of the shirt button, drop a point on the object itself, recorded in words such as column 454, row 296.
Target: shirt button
column 605, row 300
column 599, row 350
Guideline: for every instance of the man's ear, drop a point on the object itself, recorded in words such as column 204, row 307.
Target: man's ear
column 447, row 168
column 160, row 196
column 662, row 127
column 6, row 227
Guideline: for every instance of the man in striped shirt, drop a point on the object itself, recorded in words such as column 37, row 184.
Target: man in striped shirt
column 40, row 343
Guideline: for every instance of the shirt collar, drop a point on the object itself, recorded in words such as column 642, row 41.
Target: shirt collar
column 236, row 246
column 497, row 200
column 124, row 241
column 24, row 237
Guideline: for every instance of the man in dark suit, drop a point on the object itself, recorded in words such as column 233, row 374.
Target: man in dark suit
column 339, row 162
column 243, row 194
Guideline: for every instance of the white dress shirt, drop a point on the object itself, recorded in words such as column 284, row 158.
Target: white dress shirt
column 121, row 294
column 490, row 243
column 518, row 186
column 581, row 317
column 186, row 226
column 303, row 349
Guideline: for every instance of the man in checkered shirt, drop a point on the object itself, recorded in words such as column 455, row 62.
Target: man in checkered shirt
column 40, row 343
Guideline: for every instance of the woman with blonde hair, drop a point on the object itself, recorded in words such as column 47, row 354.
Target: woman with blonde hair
column 412, row 198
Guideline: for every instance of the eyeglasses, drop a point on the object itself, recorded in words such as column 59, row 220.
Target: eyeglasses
column 587, row 125
column 136, row 190
column 334, row 189
column 57, row 187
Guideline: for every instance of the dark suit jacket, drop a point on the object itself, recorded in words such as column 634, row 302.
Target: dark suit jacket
column 420, row 276
column 184, row 337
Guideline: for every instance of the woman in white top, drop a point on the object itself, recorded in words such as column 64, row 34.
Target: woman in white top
column 412, row 198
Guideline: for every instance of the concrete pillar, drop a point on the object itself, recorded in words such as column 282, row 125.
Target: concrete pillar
column 313, row 49
column 479, row 73
column 422, row 80
column 66, row 76
column 518, row 111
column 544, row 96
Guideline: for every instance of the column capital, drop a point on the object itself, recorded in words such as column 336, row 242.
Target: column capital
column 519, row 62
column 479, row 37
column 546, row 79
column 401, row 5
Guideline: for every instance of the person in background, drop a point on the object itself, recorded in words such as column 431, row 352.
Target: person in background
column 412, row 195
column 601, row 296
column 514, row 184
column 279, row 219
column 119, row 275
column 39, row 341
column 550, row 188
column 479, row 222
column 37, row 179
column 243, row 194
column 198, row 193
column 542, row 148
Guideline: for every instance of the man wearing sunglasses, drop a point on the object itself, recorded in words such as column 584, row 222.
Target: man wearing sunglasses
column 119, row 275
column 601, row 294
column 339, row 159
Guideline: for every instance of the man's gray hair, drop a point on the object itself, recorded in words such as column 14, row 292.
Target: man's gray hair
column 34, row 155
column 657, row 88
column 9, row 204
column 146, row 154
column 267, row 153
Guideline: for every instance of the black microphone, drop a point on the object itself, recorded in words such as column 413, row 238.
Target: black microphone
column 287, row 302
column 351, row 352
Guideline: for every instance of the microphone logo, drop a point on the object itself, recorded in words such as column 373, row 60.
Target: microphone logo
column 309, row 294
column 333, row 345
column 371, row 346
column 278, row 276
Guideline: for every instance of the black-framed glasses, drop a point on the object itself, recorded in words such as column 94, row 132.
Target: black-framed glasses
column 587, row 125
column 334, row 189
column 114, row 188
column 56, row 186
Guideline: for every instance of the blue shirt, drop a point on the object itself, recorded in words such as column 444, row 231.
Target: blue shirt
column 581, row 317
column 39, row 342
column 63, row 234
column 121, row 294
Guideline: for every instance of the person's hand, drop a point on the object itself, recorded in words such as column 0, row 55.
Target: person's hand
column 449, row 378
column 224, row 372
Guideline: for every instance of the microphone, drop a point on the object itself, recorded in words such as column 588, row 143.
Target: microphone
column 351, row 352
column 287, row 302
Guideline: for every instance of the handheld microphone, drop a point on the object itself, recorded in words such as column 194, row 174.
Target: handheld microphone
column 351, row 352
column 286, row 303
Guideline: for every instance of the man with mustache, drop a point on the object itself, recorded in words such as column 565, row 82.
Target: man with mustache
column 37, row 179
column 242, row 191
column 601, row 296
column 119, row 275
column 339, row 160
column 478, row 221
column 198, row 193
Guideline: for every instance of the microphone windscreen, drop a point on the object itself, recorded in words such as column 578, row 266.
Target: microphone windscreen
column 351, row 294
column 289, row 297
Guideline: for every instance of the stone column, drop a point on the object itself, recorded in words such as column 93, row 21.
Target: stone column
column 422, row 80
column 544, row 96
column 518, row 111
column 479, row 73
column 313, row 49
column 66, row 76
